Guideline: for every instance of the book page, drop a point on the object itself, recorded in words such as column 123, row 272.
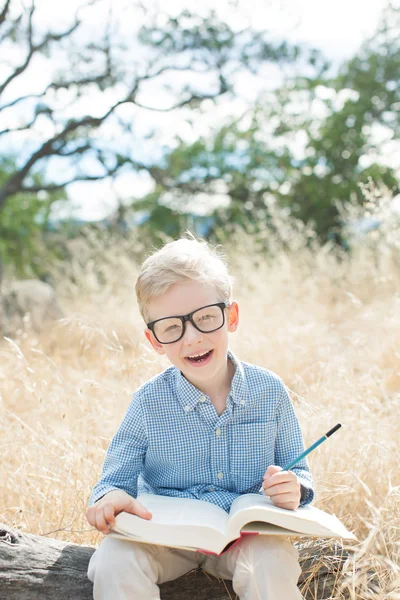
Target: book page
column 176, row 522
column 167, row 510
column 268, row 529
column 306, row 520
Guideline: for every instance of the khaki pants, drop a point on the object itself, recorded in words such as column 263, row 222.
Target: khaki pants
column 261, row 568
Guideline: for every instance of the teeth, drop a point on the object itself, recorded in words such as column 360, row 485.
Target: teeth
column 198, row 355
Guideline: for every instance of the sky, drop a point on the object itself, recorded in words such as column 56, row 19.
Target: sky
column 337, row 28
column 327, row 25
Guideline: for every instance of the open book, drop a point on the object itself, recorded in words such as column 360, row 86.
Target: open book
column 198, row 525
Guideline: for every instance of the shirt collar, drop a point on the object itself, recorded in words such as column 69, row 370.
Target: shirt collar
column 189, row 395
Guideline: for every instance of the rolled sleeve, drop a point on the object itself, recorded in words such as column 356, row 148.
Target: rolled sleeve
column 289, row 444
column 125, row 456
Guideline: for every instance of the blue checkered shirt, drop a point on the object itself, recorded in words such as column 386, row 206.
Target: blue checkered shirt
column 172, row 442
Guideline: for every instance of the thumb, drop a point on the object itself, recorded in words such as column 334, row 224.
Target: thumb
column 136, row 508
column 272, row 469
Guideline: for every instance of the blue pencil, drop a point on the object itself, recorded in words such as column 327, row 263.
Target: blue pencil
column 310, row 449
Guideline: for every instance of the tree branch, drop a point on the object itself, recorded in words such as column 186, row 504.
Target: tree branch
column 4, row 12
column 22, row 99
column 22, row 67
column 51, row 37
column 14, row 129
column 206, row 45
column 58, row 85
column 40, row 110
column 54, row 145
column 194, row 99
column 53, row 187
column 77, row 150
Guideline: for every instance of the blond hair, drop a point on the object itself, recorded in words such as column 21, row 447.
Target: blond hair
column 179, row 261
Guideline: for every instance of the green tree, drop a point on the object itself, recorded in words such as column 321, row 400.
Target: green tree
column 24, row 225
column 251, row 159
column 343, row 152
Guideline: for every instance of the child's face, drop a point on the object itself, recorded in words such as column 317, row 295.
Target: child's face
column 179, row 300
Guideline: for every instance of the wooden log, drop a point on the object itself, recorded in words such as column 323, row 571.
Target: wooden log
column 33, row 567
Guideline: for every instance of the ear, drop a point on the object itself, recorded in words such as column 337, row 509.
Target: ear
column 233, row 316
column 156, row 345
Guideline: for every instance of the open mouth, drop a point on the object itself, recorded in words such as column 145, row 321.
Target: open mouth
column 200, row 359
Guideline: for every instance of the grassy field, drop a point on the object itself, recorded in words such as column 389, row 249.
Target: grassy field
column 328, row 325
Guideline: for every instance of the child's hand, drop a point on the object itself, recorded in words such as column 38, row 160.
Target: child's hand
column 103, row 512
column 282, row 487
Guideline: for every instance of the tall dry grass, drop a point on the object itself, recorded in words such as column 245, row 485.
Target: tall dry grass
column 328, row 323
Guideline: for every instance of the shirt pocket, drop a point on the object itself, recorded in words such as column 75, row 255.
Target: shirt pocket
column 252, row 451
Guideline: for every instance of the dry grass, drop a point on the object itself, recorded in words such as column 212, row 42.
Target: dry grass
column 330, row 326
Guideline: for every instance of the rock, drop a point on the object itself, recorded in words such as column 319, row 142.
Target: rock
column 32, row 298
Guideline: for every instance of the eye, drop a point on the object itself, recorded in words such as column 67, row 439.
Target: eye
column 168, row 327
column 206, row 317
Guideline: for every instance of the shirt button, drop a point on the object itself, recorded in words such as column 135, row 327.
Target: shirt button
column 202, row 398
column 212, row 489
column 218, row 431
column 187, row 408
column 242, row 402
column 220, row 475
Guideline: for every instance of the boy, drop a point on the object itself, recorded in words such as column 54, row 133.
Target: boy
column 209, row 427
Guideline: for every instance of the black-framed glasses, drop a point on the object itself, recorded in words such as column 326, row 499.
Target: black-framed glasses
column 205, row 319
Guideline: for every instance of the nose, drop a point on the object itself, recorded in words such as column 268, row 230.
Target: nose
column 192, row 335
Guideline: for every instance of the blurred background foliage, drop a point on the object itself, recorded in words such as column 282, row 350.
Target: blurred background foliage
column 25, row 243
column 239, row 176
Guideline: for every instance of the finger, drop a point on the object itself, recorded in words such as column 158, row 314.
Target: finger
column 271, row 482
column 282, row 488
column 90, row 516
column 272, row 469
column 141, row 511
column 101, row 524
column 281, row 476
column 285, row 502
column 275, row 480
column 288, row 506
column 109, row 515
column 285, row 498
